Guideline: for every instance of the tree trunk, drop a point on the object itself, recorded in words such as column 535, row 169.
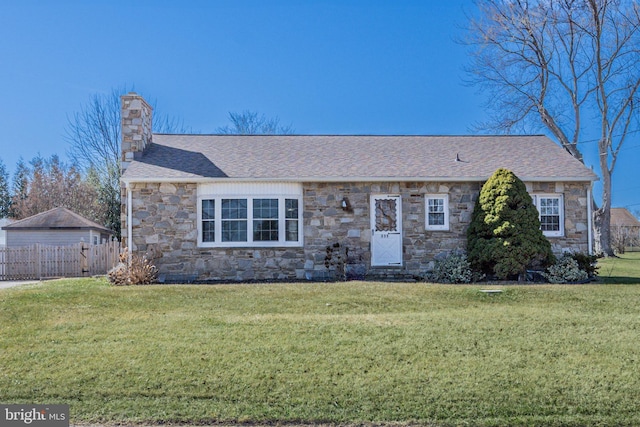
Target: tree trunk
column 602, row 218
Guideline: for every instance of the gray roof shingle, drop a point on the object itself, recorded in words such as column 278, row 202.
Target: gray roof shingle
column 352, row 158
column 623, row 218
column 56, row 218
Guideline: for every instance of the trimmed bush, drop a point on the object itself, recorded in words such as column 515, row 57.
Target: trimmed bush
column 587, row 263
column 504, row 237
column 565, row 270
column 455, row 268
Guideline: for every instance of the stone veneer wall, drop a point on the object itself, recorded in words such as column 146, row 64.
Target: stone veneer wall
column 136, row 117
column 136, row 121
column 164, row 225
column 326, row 223
column 576, row 221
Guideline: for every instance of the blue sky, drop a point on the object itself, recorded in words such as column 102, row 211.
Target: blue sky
column 324, row 67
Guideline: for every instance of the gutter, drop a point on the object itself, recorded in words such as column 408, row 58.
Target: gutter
column 129, row 219
column 589, row 220
column 200, row 179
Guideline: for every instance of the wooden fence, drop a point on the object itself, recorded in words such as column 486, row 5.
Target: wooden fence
column 43, row 262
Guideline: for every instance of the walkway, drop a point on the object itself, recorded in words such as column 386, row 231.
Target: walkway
column 13, row 283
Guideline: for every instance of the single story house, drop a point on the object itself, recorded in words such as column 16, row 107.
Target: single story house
column 266, row 207
column 621, row 217
column 55, row 227
column 625, row 228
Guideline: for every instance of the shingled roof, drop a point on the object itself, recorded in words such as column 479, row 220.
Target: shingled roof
column 325, row 158
column 621, row 217
column 58, row 219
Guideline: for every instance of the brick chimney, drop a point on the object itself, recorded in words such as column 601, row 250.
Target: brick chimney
column 136, row 116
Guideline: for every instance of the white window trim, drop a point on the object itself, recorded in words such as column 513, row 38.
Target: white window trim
column 281, row 242
column 443, row 227
column 536, row 201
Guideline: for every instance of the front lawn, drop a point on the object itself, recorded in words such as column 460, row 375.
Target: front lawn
column 624, row 269
column 354, row 352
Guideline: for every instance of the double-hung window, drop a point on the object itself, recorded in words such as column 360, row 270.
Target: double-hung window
column 551, row 213
column 292, row 220
column 264, row 218
column 437, row 212
column 233, row 219
column 208, row 220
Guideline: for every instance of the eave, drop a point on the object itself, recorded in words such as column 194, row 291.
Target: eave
column 201, row 180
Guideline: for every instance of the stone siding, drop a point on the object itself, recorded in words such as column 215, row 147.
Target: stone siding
column 576, row 216
column 136, row 124
column 136, row 127
column 164, row 225
column 326, row 223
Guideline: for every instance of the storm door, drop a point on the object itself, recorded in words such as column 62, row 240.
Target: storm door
column 386, row 230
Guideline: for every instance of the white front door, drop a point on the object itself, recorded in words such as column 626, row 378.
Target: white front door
column 386, row 230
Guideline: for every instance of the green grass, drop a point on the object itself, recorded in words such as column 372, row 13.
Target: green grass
column 624, row 269
column 350, row 352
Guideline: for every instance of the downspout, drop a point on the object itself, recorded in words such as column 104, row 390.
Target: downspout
column 129, row 219
column 589, row 220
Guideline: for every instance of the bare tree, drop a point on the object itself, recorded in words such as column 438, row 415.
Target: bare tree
column 252, row 123
column 571, row 67
column 94, row 137
column 623, row 237
column 50, row 183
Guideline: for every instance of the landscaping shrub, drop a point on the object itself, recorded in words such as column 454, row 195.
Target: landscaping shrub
column 454, row 268
column 140, row 271
column 565, row 270
column 586, row 263
column 504, row 237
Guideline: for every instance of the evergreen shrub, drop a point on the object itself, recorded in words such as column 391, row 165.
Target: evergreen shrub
column 565, row 270
column 587, row 263
column 504, row 237
column 454, row 268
